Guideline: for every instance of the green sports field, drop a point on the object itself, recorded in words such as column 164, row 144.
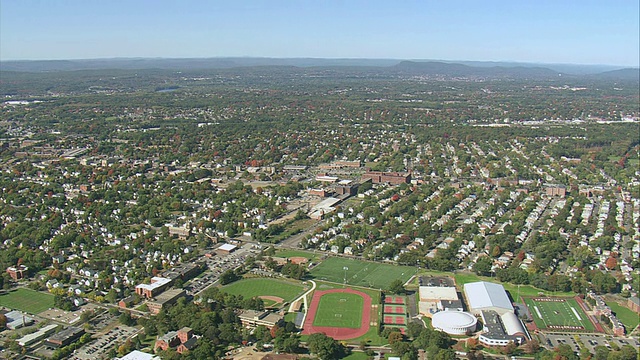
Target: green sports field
column 252, row 287
column 342, row 310
column 30, row 301
column 559, row 314
column 361, row 273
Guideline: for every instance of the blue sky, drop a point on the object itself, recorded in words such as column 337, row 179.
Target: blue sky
column 560, row 31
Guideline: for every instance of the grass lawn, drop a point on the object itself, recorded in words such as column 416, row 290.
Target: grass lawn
column 525, row 290
column 295, row 253
column 629, row 318
column 356, row 355
column 251, row 287
column 361, row 273
column 343, row 310
column 27, row 300
column 547, row 314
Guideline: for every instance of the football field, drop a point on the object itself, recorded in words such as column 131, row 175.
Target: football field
column 558, row 314
column 361, row 273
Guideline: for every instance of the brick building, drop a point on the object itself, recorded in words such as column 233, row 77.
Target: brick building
column 393, row 178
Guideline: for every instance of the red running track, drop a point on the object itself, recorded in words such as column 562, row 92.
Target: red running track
column 335, row 332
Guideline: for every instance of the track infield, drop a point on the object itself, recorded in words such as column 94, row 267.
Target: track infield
column 337, row 315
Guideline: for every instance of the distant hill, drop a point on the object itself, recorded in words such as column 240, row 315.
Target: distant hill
column 621, row 74
column 460, row 70
column 184, row 64
column 415, row 67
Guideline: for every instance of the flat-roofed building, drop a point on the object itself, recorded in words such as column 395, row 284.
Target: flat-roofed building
column 64, row 337
column 37, row 336
column 253, row 318
column 394, row 178
column 437, row 294
column 17, row 319
column 226, row 248
column 501, row 329
column 165, row 299
column 158, row 284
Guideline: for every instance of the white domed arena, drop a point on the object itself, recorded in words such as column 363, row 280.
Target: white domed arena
column 454, row 322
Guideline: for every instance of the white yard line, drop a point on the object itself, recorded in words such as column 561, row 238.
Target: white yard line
column 576, row 313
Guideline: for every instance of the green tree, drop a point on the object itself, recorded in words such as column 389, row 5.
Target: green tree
column 397, row 287
column 325, row 347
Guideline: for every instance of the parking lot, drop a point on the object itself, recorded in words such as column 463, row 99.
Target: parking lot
column 218, row 265
column 589, row 341
column 101, row 346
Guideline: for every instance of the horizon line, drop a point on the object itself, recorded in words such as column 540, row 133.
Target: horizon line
column 316, row 58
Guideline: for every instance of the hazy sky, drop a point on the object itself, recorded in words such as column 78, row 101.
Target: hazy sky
column 549, row 31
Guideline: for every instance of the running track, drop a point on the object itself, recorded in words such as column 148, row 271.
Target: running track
column 335, row 332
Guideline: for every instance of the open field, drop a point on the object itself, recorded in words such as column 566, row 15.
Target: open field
column 558, row 314
column 629, row 318
column 295, row 253
column 252, row 287
column 524, row 290
column 361, row 273
column 27, row 300
column 341, row 310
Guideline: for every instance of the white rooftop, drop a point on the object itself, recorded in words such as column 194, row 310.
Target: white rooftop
column 438, row 293
column 157, row 282
column 139, row 355
column 227, row 247
column 484, row 295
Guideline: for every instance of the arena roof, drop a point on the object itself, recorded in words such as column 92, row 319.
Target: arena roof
column 486, row 295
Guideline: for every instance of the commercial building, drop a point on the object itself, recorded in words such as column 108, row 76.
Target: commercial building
column 226, row 249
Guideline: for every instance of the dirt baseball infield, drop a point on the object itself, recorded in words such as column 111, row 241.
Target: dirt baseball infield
column 335, row 332
column 275, row 299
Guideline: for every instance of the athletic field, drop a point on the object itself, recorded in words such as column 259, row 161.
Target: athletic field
column 342, row 310
column 252, row 287
column 361, row 273
column 27, row 300
column 560, row 314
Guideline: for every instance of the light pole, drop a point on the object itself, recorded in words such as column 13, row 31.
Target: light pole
column 345, row 273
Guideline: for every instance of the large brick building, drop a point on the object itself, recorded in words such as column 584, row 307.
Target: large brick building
column 393, row 178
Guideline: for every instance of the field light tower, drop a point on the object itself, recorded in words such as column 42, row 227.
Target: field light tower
column 345, row 273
